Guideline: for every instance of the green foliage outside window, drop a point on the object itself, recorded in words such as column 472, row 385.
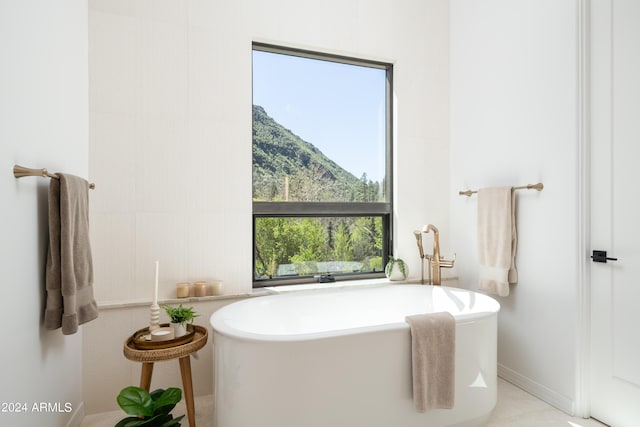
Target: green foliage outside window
column 305, row 246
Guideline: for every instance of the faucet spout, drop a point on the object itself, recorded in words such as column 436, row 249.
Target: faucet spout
column 436, row 262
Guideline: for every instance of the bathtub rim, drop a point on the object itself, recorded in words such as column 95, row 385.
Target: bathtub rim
column 220, row 327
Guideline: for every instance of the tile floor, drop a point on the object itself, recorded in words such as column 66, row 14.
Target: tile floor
column 515, row 408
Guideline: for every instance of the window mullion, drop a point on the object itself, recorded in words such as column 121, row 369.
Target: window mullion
column 320, row 209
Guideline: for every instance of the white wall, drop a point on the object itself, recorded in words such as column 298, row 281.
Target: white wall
column 170, row 114
column 43, row 123
column 170, row 145
column 514, row 121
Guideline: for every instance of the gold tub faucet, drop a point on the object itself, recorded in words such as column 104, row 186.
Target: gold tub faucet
column 436, row 262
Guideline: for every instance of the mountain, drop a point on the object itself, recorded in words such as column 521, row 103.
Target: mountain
column 280, row 156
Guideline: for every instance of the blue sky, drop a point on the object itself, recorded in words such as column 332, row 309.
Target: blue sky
column 339, row 108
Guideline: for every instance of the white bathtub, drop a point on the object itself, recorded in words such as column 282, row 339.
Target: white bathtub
column 342, row 358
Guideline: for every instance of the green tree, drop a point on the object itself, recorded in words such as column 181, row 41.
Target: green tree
column 342, row 250
column 288, row 241
column 366, row 237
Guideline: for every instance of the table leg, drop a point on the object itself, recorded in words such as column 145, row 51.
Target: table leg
column 185, row 370
column 145, row 376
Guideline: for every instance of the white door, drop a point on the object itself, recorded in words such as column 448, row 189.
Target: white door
column 615, row 211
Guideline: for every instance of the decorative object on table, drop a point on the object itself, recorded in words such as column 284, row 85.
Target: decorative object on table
column 182, row 290
column 155, row 308
column 396, row 269
column 165, row 333
column 180, row 316
column 143, row 339
column 149, row 409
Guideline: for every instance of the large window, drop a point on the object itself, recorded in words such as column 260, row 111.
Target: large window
column 321, row 166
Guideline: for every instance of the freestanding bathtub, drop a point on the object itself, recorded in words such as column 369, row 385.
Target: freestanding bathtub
column 342, row 358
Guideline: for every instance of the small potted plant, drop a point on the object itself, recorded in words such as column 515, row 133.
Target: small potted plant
column 180, row 316
column 149, row 409
column 396, row 269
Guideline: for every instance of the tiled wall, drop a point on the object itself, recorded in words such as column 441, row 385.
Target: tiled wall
column 173, row 177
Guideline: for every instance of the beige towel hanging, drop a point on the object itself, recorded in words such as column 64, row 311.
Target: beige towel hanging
column 497, row 240
column 433, row 349
column 69, row 272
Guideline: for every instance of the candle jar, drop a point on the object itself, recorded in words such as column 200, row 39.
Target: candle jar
column 216, row 287
column 182, row 290
column 200, row 289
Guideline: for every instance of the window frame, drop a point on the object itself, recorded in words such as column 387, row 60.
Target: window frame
column 261, row 209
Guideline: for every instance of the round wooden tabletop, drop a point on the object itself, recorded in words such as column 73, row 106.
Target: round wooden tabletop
column 157, row 355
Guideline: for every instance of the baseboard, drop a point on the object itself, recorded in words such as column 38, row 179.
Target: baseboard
column 543, row 393
column 77, row 417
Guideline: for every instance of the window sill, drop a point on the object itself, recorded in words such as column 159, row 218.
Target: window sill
column 332, row 285
column 363, row 283
column 107, row 305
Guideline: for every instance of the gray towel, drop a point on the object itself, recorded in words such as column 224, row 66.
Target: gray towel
column 433, row 351
column 497, row 240
column 69, row 272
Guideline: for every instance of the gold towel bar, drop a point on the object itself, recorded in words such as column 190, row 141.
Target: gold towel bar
column 537, row 186
column 20, row 171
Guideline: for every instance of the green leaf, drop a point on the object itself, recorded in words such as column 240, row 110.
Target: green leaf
column 180, row 314
column 135, row 401
column 155, row 421
column 125, row 421
column 134, row 422
column 155, row 394
column 166, row 401
column 173, row 422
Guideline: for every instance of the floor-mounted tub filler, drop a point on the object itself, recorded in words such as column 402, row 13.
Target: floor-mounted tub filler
column 342, row 357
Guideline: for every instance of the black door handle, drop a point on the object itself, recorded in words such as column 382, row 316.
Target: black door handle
column 601, row 256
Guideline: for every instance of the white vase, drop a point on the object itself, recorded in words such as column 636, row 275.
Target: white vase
column 179, row 329
column 394, row 272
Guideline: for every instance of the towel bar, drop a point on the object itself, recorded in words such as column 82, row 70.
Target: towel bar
column 21, row 171
column 537, row 186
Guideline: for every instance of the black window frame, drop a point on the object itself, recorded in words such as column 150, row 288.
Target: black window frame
column 290, row 209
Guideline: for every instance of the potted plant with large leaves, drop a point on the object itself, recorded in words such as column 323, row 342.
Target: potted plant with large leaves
column 180, row 316
column 149, row 409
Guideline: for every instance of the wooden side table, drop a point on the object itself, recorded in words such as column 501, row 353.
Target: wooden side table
column 181, row 352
